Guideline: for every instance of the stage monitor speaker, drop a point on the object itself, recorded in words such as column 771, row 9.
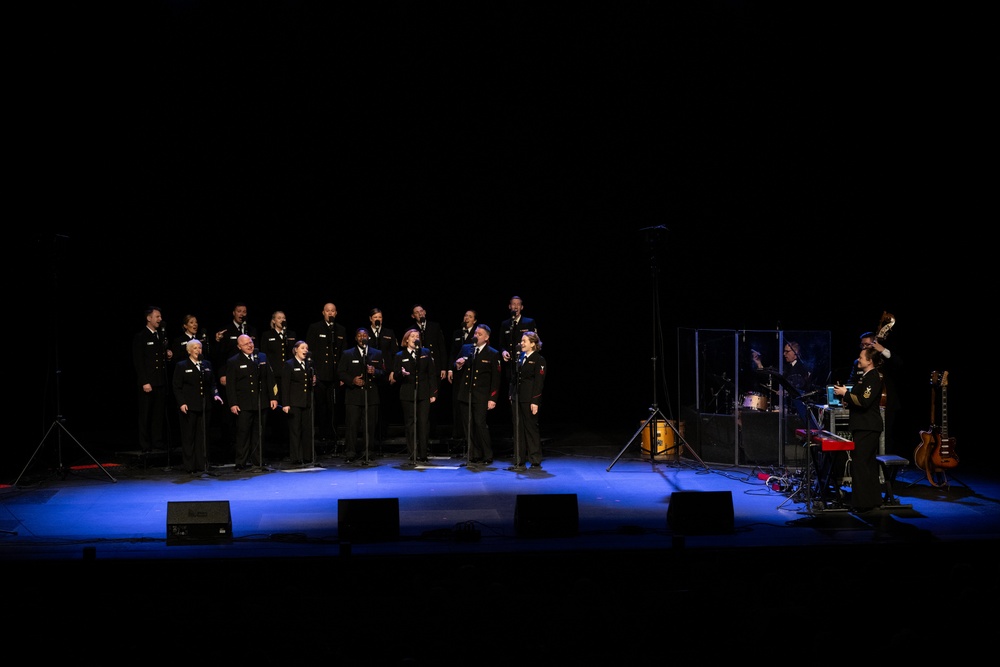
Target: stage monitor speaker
column 362, row 520
column 547, row 515
column 701, row 512
column 199, row 522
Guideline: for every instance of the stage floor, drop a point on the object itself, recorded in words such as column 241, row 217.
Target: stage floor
column 594, row 537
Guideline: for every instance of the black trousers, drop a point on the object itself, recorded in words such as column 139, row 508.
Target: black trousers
column 480, row 443
column 355, row 421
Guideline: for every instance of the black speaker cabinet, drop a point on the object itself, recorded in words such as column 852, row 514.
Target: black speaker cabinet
column 547, row 515
column 362, row 520
column 717, row 436
column 701, row 512
column 760, row 437
column 199, row 522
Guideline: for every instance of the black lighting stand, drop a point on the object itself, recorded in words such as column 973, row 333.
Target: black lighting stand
column 653, row 235
column 58, row 424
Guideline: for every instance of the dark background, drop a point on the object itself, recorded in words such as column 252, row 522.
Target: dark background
column 195, row 154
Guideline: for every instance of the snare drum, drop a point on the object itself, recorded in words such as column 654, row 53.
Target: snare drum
column 755, row 400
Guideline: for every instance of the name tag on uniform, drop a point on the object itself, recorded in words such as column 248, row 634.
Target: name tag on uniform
column 244, row 366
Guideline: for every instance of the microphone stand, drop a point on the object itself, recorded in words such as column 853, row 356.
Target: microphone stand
column 312, row 405
column 416, row 414
column 468, row 425
column 167, row 439
column 412, row 461
column 336, row 383
column 516, row 407
column 364, row 388
column 204, row 424
column 260, row 412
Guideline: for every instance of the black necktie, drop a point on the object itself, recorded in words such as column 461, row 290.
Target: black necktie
column 198, row 366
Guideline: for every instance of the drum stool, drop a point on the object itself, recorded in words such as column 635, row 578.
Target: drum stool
column 889, row 465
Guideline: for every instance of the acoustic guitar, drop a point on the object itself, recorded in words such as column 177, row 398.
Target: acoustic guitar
column 944, row 456
column 928, row 438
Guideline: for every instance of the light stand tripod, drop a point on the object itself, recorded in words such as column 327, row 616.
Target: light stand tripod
column 653, row 235
column 60, row 468
column 58, row 423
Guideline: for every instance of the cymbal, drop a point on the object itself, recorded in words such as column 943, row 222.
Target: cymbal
column 721, row 380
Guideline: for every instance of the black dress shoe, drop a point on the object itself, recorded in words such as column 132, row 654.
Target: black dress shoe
column 536, row 465
column 350, row 459
column 488, row 462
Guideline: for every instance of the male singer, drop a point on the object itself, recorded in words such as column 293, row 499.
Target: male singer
column 478, row 389
column 326, row 340
column 361, row 369
column 250, row 389
column 150, row 353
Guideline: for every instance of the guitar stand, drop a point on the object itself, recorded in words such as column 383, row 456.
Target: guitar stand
column 936, row 477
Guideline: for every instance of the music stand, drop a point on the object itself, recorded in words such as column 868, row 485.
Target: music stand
column 653, row 234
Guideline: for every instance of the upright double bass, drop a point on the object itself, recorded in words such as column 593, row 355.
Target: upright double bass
column 884, row 327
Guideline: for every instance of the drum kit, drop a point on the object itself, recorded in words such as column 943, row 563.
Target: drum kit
column 758, row 401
